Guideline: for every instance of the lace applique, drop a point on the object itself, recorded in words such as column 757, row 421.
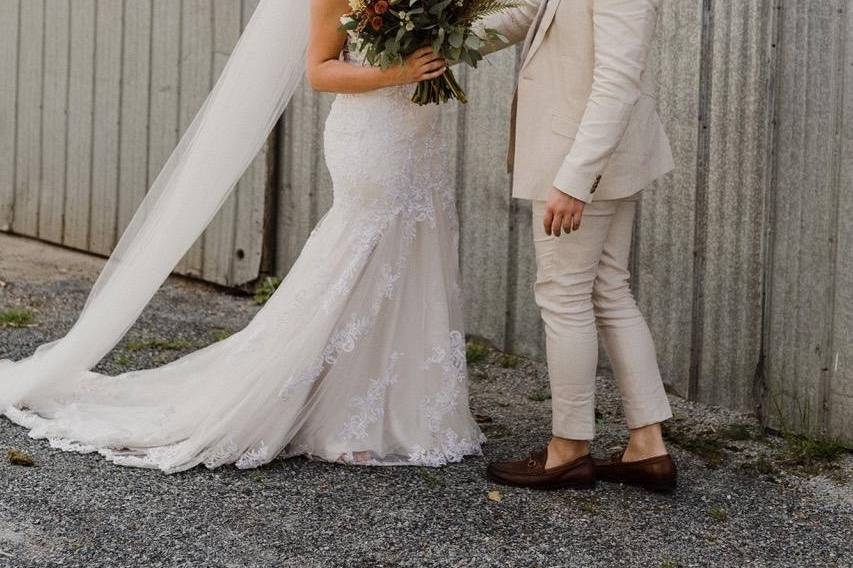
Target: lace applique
column 450, row 448
column 370, row 408
column 454, row 371
column 254, row 457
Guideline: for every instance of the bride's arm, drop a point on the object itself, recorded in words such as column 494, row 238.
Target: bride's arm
column 328, row 74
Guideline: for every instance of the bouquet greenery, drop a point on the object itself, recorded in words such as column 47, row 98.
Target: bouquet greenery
column 386, row 31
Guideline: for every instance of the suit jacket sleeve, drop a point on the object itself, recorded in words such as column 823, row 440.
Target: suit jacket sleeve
column 623, row 32
column 513, row 24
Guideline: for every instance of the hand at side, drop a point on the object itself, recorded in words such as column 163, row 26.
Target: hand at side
column 563, row 213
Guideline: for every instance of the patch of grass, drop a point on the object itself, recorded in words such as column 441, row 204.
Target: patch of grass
column 509, row 361
column 588, row 506
column 719, row 514
column 122, row 359
column 804, row 455
column 19, row 458
column 429, row 477
column 221, row 335
column 738, row 432
column 265, row 289
column 475, row 352
column 669, row 564
column 803, row 450
column 17, row 317
column 539, row 396
column 156, row 344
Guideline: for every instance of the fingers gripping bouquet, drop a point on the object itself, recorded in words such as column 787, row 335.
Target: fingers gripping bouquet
column 387, row 31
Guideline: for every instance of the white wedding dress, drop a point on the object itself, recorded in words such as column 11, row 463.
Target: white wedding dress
column 359, row 357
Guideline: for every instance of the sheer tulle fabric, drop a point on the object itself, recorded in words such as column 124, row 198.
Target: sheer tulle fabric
column 229, row 130
column 359, row 357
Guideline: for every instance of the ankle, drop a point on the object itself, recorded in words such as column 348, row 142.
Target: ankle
column 645, row 442
column 562, row 451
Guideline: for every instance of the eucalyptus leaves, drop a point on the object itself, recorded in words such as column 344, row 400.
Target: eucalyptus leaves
column 386, row 31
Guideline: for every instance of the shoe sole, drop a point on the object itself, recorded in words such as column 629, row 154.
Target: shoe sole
column 575, row 485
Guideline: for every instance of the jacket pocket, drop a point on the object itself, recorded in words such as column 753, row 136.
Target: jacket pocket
column 564, row 125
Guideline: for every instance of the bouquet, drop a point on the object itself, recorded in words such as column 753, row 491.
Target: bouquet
column 386, row 31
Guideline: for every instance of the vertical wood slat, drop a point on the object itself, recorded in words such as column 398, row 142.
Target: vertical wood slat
column 196, row 65
column 135, row 98
column 29, row 121
column 304, row 172
column 54, row 119
column 251, row 194
column 81, row 109
column 105, row 175
column 163, row 127
column 9, row 31
column 219, row 237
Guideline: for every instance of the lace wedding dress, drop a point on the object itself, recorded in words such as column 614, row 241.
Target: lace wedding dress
column 359, row 357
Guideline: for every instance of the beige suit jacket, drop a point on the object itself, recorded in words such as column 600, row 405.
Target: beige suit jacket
column 585, row 117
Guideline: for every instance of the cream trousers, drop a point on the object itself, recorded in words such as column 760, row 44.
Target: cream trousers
column 582, row 290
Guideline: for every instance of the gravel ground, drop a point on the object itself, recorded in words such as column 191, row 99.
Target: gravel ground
column 745, row 498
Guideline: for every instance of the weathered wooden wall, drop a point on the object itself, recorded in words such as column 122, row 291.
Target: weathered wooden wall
column 93, row 97
column 742, row 259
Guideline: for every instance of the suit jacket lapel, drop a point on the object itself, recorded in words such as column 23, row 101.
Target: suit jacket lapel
column 546, row 15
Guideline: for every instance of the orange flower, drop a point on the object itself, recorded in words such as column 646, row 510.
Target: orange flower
column 381, row 6
column 376, row 23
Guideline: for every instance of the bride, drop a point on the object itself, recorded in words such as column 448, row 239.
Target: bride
column 360, row 355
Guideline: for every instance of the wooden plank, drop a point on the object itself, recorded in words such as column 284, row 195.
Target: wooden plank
column 664, row 248
column 299, row 163
column 485, row 197
column 29, row 122
column 737, row 174
column 9, row 17
column 196, row 80
column 135, row 98
column 799, row 351
column 81, row 111
column 105, row 177
column 54, row 119
column 163, row 126
column 251, row 202
column 219, row 236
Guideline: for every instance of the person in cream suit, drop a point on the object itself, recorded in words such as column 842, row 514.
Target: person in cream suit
column 586, row 139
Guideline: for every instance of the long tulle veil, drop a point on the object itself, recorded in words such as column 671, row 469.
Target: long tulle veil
column 229, row 130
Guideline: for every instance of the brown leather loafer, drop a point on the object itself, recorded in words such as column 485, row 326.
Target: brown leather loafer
column 530, row 472
column 655, row 474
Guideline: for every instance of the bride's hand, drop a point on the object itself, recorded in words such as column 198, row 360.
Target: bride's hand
column 421, row 65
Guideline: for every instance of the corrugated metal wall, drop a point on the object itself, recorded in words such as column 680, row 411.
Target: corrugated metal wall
column 742, row 258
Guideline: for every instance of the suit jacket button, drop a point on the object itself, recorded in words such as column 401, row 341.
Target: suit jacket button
column 595, row 184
